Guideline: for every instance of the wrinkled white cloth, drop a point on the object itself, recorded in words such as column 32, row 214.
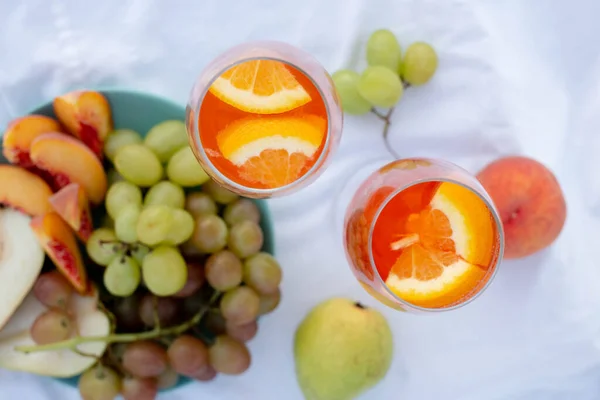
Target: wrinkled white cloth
column 514, row 77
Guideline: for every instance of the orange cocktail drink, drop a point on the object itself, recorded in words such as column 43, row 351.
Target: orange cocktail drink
column 263, row 119
column 423, row 235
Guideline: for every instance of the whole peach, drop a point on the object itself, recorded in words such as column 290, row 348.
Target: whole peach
column 530, row 202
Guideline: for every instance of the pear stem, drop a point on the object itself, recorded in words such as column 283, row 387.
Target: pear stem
column 123, row 337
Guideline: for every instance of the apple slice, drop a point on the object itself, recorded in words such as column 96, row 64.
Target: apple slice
column 21, row 260
column 89, row 320
column 72, row 205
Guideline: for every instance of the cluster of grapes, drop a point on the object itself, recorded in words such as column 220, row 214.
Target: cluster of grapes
column 186, row 268
column 388, row 73
column 147, row 228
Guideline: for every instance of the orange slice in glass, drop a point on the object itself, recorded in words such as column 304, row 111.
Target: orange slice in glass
column 272, row 151
column 444, row 250
column 260, row 87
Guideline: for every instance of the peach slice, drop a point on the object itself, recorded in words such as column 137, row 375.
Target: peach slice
column 20, row 133
column 72, row 205
column 86, row 114
column 58, row 241
column 68, row 160
column 24, row 191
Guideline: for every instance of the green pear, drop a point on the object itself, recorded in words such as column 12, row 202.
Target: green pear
column 341, row 348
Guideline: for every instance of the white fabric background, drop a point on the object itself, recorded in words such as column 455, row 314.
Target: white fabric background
column 515, row 77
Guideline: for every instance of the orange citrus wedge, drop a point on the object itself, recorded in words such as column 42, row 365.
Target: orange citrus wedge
column 444, row 250
column 260, row 87
column 272, row 151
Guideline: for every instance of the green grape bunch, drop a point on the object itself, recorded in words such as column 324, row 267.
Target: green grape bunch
column 388, row 73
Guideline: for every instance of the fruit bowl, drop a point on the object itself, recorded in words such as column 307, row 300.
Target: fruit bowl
column 139, row 112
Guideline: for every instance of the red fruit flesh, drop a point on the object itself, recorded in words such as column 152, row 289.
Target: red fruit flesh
column 60, row 245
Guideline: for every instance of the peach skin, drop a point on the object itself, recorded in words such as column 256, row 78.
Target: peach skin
column 24, row 191
column 68, row 160
column 85, row 114
column 60, row 245
column 530, row 202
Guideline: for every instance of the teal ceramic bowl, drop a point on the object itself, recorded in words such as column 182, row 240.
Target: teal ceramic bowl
column 141, row 111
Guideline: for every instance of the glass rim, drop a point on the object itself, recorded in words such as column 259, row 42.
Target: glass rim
column 257, row 191
column 492, row 275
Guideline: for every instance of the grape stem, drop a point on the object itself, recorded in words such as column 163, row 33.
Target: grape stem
column 387, row 120
column 123, row 337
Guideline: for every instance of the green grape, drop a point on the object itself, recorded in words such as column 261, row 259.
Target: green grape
column 198, row 203
column 166, row 193
column 112, row 177
column 219, row 193
column 51, row 326
column 346, row 84
column 380, row 86
column 262, row 273
column 118, row 139
column 145, row 359
column 165, row 138
column 181, row 229
column 139, row 165
column 419, row 64
column 122, row 276
column 240, row 305
column 245, row 238
column 164, row 271
column 103, row 246
column 99, row 383
column 269, row 302
column 229, row 356
column 383, row 49
column 210, row 233
column 120, row 195
column 223, row 270
column 139, row 251
column 154, row 224
column 184, row 169
column 241, row 210
column 126, row 223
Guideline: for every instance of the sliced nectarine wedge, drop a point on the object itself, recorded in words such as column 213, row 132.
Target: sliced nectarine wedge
column 86, row 114
column 58, row 241
column 68, row 160
column 20, row 133
column 72, row 205
column 24, row 191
